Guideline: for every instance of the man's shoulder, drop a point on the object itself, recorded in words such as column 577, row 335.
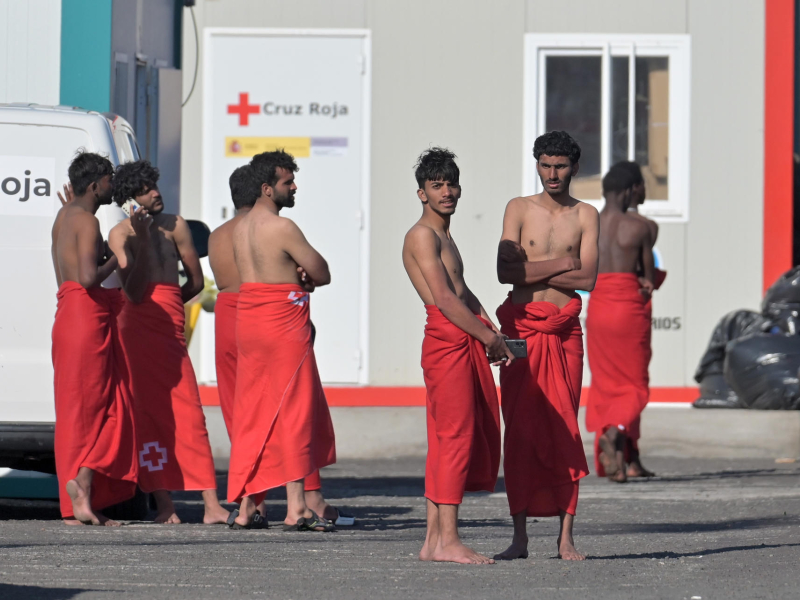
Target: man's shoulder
column 635, row 224
column 420, row 232
column 585, row 207
column 169, row 221
column 520, row 202
column 71, row 211
column 225, row 228
column 121, row 230
column 643, row 219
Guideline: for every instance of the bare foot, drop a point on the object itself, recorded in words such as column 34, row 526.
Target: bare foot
column 168, row 517
column 216, row 516
column 243, row 519
column 322, row 508
column 72, row 522
column 426, row 553
column 618, row 477
column 459, row 553
column 635, row 469
column 608, row 454
column 105, row 521
column 81, row 507
column 262, row 509
column 166, row 509
column 566, row 550
column 517, row 549
column 609, row 464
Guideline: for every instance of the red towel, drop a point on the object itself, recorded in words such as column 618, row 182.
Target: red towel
column 173, row 448
column 94, row 423
column 618, row 329
column 226, row 352
column 660, row 277
column 462, row 412
column 226, row 358
column 543, row 457
column 282, row 429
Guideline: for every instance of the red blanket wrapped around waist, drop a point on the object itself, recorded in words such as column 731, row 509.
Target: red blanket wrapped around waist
column 225, row 352
column 173, row 447
column 462, row 412
column 94, row 422
column 282, row 429
column 543, row 458
column 618, row 330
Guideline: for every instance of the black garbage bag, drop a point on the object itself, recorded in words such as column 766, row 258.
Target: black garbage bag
column 714, row 389
column 762, row 370
column 781, row 304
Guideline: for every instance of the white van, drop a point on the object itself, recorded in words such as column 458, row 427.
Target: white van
column 37, row 144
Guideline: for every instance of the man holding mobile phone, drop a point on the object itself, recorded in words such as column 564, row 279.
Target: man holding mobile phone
column 173, row 448
column 548, row 251
column 462, row 408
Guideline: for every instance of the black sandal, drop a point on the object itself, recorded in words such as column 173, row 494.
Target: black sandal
column 258, row 521
column 315, row 523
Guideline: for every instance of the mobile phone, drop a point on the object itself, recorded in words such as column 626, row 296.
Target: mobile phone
column 519, row 348
column 129, row 207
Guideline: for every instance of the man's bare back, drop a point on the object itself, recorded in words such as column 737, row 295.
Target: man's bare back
column 220, row 255
column 269, row 248
column 624, row 239
column 74, row 229
column 560, row 236
column 78, row 250
column 262, row 247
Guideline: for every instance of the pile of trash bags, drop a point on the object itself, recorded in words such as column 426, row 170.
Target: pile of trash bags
column 753, row 359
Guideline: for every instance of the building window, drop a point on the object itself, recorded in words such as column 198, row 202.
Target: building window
column 623, row 97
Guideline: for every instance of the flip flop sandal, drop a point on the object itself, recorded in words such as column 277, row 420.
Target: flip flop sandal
column 258, row 521
column 343, row 519
column 315, row 523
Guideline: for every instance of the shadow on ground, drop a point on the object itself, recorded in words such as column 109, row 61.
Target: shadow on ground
column 697, row 554
column 34, row 592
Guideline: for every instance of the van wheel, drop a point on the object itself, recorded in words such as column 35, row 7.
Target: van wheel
column 135, row 509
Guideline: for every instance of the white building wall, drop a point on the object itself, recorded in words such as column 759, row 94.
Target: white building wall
column 30, row 51
column 449, row 73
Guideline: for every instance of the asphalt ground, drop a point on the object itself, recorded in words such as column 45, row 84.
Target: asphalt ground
column 707, row 529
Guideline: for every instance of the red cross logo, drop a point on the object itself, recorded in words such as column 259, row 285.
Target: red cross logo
column 153, row 456
column 298, row 298
column 244, row 109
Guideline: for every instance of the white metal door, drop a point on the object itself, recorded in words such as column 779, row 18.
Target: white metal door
column 306, row 92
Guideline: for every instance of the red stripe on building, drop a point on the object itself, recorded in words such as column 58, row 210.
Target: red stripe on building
column 415, row 396
column 778, row 138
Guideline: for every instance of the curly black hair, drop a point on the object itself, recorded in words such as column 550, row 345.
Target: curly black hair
column 245, row 190
column 618, row 179
column 634, row 169
column 436, row 164
column 265, row 166
column 87, row 168
column 134, row 179
column 557, row 143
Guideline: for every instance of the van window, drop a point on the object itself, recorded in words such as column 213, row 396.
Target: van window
column 134, row 146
